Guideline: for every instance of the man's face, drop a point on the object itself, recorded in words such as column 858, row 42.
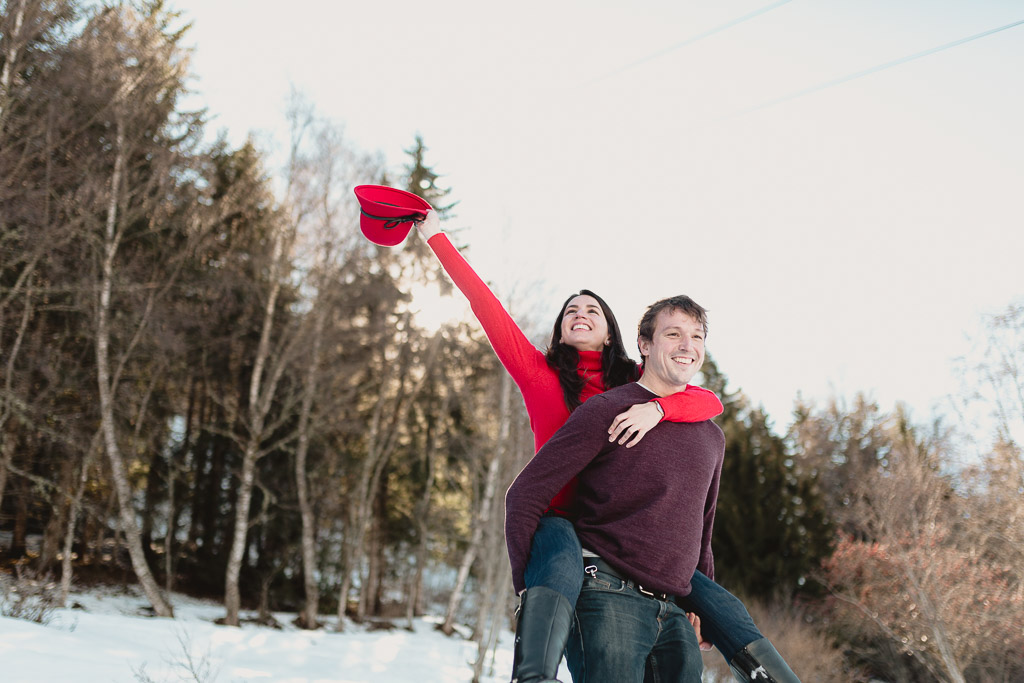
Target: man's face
column 675, row 354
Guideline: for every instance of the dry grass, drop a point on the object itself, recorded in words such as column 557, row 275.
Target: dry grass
column 809, row 651
column 28, row 595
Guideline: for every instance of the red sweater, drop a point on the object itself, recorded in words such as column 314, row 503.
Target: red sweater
column 528, row 367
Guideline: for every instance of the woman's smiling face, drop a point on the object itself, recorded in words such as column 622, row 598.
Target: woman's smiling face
column 584, row 326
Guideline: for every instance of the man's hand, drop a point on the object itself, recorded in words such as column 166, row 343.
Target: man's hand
column 705, row 646
column 634, row 423
column 430, row 225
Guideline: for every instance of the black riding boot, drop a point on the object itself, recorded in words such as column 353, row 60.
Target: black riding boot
column 761, row 662
column 542, row 629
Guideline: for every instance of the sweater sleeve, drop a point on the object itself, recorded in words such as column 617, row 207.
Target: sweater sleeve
column 581, row 439
column 694, row 404
column 706, row 562
column 513, row 349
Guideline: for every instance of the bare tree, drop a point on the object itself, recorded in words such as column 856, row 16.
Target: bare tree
column 322, row 178
column 422, row 512
column 515, row 445
column 308, row 617
column 266, row 374
column 14, row 36
column 149, row 70
column 993, row 375
column 486, row 510
column 395, row 394
column 931, row 577
column 74, row 509
column 7, row 399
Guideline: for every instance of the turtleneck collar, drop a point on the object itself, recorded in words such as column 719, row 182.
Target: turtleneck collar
column 590, row 360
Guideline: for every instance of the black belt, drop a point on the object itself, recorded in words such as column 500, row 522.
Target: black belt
column 592, row 565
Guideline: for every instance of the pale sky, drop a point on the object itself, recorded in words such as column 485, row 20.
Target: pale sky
column 847, row 239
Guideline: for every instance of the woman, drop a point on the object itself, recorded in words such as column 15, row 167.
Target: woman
column 586, row 356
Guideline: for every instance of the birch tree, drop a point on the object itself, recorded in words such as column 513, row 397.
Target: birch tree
column 266, row 373
column 486, row 508
column 138, row 65
column 395, row 392
column 515, row 445
column 323, row 169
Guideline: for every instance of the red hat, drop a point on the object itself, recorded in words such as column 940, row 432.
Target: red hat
column 387, row 213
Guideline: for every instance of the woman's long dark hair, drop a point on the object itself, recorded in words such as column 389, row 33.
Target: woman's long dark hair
column 617, row 368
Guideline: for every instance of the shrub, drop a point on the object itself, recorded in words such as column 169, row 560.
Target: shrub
column 28, row 596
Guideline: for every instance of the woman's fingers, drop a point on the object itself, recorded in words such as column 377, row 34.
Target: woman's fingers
column 629, row 428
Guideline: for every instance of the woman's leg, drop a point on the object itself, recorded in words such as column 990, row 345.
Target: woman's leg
column 556, row 558
column 724, row 621
column 727, row 624
column 554, row 575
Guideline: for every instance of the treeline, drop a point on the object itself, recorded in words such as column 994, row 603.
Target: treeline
column 212, row 383
column 209, row 382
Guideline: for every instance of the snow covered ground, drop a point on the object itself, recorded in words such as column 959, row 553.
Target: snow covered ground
column 107, row 639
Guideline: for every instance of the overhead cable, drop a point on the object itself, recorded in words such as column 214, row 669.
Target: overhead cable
column 874, row 69
column 690, row 40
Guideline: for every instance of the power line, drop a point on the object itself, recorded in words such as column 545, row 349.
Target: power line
column 690, row 41
column 874, row 69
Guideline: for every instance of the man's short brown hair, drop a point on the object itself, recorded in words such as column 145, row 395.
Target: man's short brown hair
column 680, row 302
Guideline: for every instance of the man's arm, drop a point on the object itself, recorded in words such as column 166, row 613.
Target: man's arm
column 581, row 439
column 706, row 563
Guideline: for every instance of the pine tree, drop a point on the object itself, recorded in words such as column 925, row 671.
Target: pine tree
column 422, row 180
column 771, row 529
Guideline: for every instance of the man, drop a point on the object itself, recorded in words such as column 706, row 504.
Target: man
column 644, row 515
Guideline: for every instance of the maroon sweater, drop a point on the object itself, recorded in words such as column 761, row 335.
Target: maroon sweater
column 648, row 510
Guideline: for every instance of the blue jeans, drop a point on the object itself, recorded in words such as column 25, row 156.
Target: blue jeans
column 556, row 558
column 622, row 636
column 724, row 621
column 556, row 561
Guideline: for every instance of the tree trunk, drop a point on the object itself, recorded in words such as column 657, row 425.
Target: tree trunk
column 12, row 42
column 117, row 466
column 172, row 525
column 201, row 456
column 19, row 538
column 359, row 509
column 66, row 564
column 489, row 596
column 232, row 594
column 154, row 471
column 368, row 588
column 6, row 452
column 490, row 485
column 259, row 406
column 381, row 442
column 422, row 515
column 6, row 444
column 308, row 618
column 60, row 504
column 172, row 480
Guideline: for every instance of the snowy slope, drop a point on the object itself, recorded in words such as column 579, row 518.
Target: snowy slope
column 108, row 640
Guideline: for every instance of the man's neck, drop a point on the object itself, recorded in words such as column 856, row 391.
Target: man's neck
column 658, row 390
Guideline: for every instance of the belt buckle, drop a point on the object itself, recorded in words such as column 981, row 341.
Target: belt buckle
column 591, row 569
